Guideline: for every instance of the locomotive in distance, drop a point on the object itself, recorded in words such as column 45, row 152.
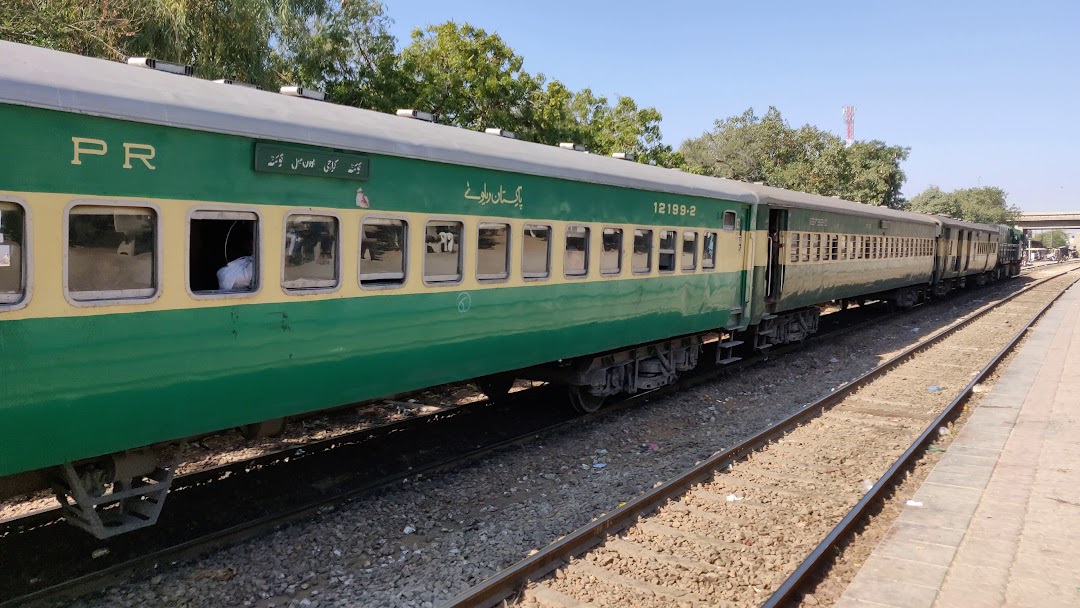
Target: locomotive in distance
column 182, row 257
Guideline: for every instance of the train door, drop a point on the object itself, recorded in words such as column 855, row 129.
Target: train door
column 967, row 249
column 774, row 272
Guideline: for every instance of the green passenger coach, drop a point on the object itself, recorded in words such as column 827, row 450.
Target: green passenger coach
column 181, row 257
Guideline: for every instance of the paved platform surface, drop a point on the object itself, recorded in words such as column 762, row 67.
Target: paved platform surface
column 1000, row 521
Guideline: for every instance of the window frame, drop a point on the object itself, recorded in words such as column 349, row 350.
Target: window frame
column 490, row 277
column 159, row 249
column 535, row 276
column 584, row 273
column 25, row 255
column 224, row 212
column 734, row 222
column 676, row 253
column 437, row 282
column 716, row 249
column 649, row 257
column 406, row 258
column 682, row 250
column 299, row 291
column 622, row 250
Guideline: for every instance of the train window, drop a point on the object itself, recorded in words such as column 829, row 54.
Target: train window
column 611, row 254
column 536, row 251
column 576, row 251
column 222, row 253
column 834, row 253
column 708, row 251
column 843, row 247
column 794, row 245
column 641, row 259
column 667, row 250
column 730, row 220
column 383, row 246
column 492, row 251
column 816, row 247
column 12, row 244
column 310, row 255
column 689, row 250
column 442, row 251
column 112, row 253
column 806, row 247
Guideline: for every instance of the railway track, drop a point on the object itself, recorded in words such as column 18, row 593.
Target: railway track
column 247, row 498
column 749, row 526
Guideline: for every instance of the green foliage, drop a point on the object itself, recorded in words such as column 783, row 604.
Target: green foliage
column 100, row 28
column 985, row 205
column 1052, row 239
column 766, row 149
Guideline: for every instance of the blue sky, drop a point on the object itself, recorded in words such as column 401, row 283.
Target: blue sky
column 984, row 93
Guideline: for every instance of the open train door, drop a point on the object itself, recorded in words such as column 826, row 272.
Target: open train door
column 774, row 272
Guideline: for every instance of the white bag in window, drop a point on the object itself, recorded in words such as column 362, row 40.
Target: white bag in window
column 236, row 275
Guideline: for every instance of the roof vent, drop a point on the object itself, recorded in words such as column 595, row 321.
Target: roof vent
column 623, row 155
column 237, row 83
column 417, row 114
column 501, row 133
column 302, row 92
column 161, row 66
column 569, row 145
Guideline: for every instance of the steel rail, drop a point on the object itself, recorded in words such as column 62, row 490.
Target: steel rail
column 512, row 580
column 798, row 580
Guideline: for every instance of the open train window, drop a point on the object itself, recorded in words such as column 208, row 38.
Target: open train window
column 383, row 247
column 576, row 251
column 641, row 259
column 492, row 251
column 689, row 251
column 667, row 250
column 843, row 247
column 442, row 251
column 708, row 252
column 223, row 258
column 793, row 245
column 730, row 220
column 536, row 251
column 112, row 253
column 806, row 247
column 13, row 271
column 816, row 247
column 611, row 254
column 310, row 257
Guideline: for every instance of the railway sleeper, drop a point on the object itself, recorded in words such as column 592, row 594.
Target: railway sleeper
column 113, row 495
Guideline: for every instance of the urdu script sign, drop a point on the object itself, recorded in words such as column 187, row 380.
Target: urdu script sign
column 272, row 158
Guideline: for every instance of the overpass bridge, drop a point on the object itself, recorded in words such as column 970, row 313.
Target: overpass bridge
column 1055, row 220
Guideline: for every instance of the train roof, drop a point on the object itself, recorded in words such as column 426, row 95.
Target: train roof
column 952, row 222
column 801, row 200
column 55, row 80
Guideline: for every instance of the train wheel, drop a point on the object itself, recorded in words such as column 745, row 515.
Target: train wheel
column 495, row 387
column 584, row 401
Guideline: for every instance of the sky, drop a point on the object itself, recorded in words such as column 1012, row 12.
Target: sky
column 984, row 93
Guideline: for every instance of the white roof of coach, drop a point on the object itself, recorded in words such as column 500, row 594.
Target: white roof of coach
column 801, row 200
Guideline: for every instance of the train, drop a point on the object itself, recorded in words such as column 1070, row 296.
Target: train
column 183, row 256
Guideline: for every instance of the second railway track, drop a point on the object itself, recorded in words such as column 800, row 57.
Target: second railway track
column 733, row 530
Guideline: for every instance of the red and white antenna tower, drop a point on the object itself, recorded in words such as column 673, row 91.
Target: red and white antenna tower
column 849, row 120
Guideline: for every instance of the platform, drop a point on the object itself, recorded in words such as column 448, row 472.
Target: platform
column 999, row 523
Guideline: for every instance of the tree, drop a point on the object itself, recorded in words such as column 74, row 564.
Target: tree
column 766, row 149
column 347, row 51
column 985, row 205
column 1052, row 239
column 466, row 77
column 100, row 28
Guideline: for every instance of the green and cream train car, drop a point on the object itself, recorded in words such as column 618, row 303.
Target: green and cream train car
column 181, row 257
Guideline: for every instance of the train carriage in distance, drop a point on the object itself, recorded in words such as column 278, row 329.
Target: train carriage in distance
column 182, row 257
column 966, row 251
